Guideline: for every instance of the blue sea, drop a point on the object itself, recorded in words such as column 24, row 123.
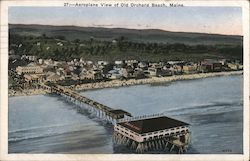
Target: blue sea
column 212, row 106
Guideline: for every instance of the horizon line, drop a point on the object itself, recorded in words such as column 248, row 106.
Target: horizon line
column 100, row 26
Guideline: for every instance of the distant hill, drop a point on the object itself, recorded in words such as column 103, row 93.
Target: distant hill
column 145, row 35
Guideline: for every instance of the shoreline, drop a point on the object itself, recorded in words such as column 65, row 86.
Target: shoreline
column 126, row 83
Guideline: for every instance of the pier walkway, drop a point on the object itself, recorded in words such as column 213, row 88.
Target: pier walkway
column 102, row 111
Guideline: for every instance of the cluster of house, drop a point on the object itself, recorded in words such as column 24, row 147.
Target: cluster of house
column 48, row 70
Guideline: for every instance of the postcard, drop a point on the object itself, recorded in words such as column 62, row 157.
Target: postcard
column 124, row 80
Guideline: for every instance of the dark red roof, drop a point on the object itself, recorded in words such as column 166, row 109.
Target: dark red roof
column 152, row 124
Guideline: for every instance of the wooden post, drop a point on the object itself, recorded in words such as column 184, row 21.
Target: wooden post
column 166, row 146
column 172, row 148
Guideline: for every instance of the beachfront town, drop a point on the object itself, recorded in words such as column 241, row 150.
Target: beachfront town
column 27, row 70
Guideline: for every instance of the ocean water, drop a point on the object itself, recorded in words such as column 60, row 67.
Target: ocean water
column 212, row 106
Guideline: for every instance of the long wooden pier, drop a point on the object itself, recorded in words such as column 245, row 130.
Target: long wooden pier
column 101, row 111
column 125, row 126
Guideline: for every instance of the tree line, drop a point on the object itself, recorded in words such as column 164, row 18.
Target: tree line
column 46, row 47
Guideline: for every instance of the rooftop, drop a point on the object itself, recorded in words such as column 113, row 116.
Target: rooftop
column 119, row 112
column 152, row 124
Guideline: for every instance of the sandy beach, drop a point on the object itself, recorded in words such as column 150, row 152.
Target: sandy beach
column 130, row 82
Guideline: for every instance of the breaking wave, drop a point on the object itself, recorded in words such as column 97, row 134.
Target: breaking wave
column 38, row 128
column 214, row 107
column 44, row 135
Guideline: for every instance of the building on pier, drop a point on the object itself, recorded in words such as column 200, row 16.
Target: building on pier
column 113, row 116
column 156, row 132
column 152, row 128
column 119, row 114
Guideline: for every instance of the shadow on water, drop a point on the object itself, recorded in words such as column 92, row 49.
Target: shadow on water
column 83, row 111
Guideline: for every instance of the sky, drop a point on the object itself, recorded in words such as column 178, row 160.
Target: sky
column 218, row 20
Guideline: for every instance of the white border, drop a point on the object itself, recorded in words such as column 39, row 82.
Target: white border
column 4, row 90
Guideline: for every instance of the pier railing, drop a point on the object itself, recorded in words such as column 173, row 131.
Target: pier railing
column 140, row 117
